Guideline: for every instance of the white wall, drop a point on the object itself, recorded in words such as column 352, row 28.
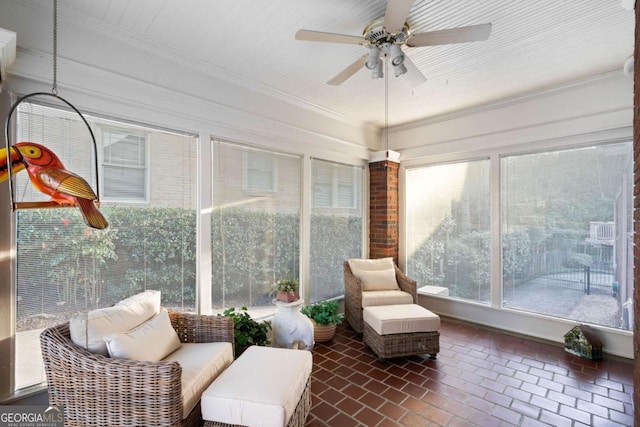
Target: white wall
column 602, row 103
column 100, row 74
column 598, row 109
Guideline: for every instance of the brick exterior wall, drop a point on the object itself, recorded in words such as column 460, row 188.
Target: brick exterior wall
column 383, row 210
column 636, row 222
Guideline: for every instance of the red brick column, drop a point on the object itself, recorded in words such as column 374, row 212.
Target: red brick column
column 383, row 210
column 636, row 221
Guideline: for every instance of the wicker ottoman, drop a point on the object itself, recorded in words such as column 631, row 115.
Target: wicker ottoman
column 401, row 330
column 265, row 387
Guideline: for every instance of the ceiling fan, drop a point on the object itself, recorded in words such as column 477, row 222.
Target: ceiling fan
column 385, row 36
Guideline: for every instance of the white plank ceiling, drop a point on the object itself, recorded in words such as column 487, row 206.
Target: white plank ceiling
column 533, row 45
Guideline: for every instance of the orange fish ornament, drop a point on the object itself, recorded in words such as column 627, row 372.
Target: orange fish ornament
column 48, row 175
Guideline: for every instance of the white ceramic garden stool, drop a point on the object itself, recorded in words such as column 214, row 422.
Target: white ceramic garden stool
column 291, row 327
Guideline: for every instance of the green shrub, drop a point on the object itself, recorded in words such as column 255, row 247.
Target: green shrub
column 246, row 330
column 323, row 312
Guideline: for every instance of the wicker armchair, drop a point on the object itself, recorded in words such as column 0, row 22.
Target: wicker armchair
column 102, row 391
column 353, row 295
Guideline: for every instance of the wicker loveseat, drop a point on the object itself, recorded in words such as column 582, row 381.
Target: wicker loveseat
column 104, row 391
column 353, row 295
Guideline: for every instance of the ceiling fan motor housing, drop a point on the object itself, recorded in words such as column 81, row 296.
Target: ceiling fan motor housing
column 375, row 34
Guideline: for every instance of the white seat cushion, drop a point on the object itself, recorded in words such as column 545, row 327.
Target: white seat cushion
column 374, row 298
column 89, row 329
column 400, row 319
column 261, row 388
column 201, row 364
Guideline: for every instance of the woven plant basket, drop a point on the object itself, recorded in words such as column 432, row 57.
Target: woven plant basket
column 323, row 333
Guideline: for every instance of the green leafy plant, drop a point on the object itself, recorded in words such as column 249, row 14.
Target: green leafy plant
column 324, row 312
column 286, row 285
column 246, row 330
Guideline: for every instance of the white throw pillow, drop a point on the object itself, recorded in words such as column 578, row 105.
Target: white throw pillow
column 151, row 341
column 375, row 274
column 89, row 329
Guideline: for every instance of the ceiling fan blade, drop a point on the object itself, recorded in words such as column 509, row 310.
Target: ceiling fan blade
column 396, row 14
column 413, row 76
column 319, row 36
column 473, row 33
column 343, row 75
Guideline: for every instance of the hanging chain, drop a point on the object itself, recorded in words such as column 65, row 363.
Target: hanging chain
column 54, row 88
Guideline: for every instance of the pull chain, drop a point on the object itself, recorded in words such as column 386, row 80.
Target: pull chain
column 54, row 88
column 386, row 105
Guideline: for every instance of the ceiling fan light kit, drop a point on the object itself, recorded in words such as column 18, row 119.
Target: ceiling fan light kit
column 374, row 57
column 385, row 36
column 396, row 55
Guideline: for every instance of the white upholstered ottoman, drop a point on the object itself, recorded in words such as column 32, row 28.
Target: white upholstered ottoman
column 265, row 387
column 401, row 330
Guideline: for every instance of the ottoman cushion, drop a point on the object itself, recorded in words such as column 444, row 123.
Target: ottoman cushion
column 400, row 319
column 261, row 388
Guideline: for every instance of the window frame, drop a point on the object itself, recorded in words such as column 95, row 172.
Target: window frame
column 334, row 187
column 107, row 129
column 495, row 311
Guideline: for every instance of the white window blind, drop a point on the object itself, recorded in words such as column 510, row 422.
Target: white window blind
column 336, row 225
column 448, row 223
column 255, row 225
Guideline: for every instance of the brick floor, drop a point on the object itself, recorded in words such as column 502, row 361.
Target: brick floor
column 480, row 378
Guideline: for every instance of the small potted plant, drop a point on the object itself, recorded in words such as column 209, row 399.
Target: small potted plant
column 246, row 330
column 325, row 318
column 286, row 290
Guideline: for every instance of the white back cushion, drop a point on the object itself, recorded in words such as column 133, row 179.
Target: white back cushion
column 151, row 341
column 89, row 329
column 375, row 274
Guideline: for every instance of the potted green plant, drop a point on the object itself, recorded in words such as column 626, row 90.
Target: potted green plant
column 246, row 330
column 325, row 318
column 286, row 290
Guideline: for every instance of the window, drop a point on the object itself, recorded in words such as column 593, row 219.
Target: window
column 566, row 234
column 64, row 268
column 260, row 172
column 336, row 232
column 448, row 228
column 255, row 236
column 334, row 185
column 124, row 166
